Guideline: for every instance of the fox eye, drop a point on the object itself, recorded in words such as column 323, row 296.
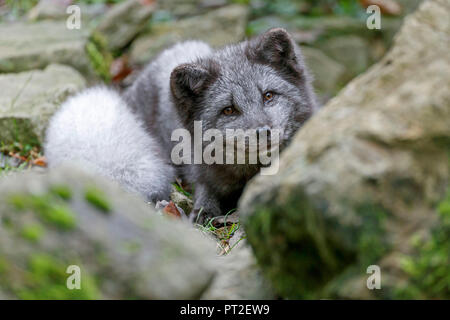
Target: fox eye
column 228, row 111
column 268, row 96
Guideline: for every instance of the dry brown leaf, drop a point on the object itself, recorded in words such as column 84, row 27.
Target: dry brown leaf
column 172, row 211
column 17, row 156
column 120, row 69
column 41, row 161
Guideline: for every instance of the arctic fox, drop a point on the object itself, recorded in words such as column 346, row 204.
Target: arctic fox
column 98, row 130
column 257, row 84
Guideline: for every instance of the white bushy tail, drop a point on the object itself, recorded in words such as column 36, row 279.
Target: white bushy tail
column 98, row 130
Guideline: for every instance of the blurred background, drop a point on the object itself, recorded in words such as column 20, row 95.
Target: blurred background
column 127, row 34
column 70, row 44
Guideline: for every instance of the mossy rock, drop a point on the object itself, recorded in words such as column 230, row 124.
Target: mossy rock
column 362, row 182
column 124, row 249
column 30, row 98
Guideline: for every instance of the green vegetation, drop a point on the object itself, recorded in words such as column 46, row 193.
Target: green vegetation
column 49, row 208
column 19, row 7
column 64, row 192
column 24, row 153
column 429, row 267
column 293, row 240
column 32, row 232
column 46, row 278
column 222, row 233
column 289, row 8
column 99, row 56
column 180, row 189
column 98, row 199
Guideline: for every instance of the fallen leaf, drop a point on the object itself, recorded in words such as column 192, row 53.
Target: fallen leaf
column 41, row 161
column 172, row 211
column 120, row 69
column 17, row 156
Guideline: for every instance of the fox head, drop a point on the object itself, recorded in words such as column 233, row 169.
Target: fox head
column 261, row 84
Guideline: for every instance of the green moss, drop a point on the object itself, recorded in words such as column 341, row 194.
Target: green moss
column 3, row 265
column 18, row 201
column 99, row 56
column 371, row 239
column 305, row 249
column 32, row 232
column 59, row 215
column 15, row 130
column 131, row 246
column 62, row 191
column 97, row 198
column 429, row 267
column 7, row 222
column 46, row 278
column 50, row 208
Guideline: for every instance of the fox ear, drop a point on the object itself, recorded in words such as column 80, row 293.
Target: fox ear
column 188, row 80
column 276, row 48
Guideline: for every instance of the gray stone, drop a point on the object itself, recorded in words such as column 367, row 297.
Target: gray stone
column 350, row 51
column 185, row 8
column 27, row 46
column 30, row 98
column 329, row 75
column 239, row 277
column 409, row 5
column 218, row 27
column 363, row 181
column 56, row 9
column 124, row 21
column 125, row 250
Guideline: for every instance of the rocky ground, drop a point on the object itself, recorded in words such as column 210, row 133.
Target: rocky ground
column 365, row 182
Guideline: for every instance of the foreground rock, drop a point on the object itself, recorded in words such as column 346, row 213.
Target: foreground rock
column 218, row 27
column 364, row 182
column 29, row 99
column 26, row 46
column 124, row 249
column 239, row 277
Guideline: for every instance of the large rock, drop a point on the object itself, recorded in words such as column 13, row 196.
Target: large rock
column 124, row 21
column 29, row 99
column 409, row 6
column 363, row 182
column 218, row 27
column 123, row 248
column 26, row 46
